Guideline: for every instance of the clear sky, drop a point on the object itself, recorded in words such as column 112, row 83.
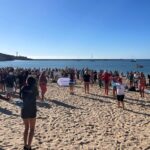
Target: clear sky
column 75, row 28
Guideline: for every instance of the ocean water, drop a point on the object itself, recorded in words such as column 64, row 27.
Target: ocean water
column 120, row 65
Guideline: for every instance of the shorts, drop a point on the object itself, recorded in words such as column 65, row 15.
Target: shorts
column 26, row 114
column 120, row 98
column 71, row 83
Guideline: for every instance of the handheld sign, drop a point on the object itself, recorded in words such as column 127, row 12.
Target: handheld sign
column 63, row 81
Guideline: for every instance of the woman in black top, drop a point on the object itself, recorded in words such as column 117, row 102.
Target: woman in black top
column 86, row 79
column 29, row 95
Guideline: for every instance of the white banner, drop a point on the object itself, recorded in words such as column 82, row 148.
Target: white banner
column 63, row 81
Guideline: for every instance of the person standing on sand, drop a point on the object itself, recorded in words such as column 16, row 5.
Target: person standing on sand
column 72, row 81
column 142, row 84
column 10, row 83
column 106, row 78
column 43, row 84
column 120, row 93
column 86, row 79
column 29, row 94
column 114, row 80
column 131, row 79
column 91, row 78
column 2, row 80
column 148, row 76
column 100, row 74
column 22, row 79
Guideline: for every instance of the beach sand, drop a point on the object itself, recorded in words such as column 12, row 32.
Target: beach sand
column 80, row 122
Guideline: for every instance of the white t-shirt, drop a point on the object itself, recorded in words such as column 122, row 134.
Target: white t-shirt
column 120, row 89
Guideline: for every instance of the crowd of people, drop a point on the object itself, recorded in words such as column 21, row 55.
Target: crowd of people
column 13, row 79
column 32, row 84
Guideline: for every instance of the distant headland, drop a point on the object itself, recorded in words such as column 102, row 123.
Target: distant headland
column 6, row 57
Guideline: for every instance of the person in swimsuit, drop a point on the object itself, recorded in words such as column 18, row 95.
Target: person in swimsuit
column 29, row 94
column 106, row 78
column 43, row 84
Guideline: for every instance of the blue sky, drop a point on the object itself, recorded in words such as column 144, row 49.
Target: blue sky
column 75, row 28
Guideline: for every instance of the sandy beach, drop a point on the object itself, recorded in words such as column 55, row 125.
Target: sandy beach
column 80, row 122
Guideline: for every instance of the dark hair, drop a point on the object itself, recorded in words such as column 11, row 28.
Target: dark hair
column 31, row 81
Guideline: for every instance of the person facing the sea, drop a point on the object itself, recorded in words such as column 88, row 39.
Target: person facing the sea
column 131, row 79
column 2, row 79
column 106, row 79
column 72, row 81
column 22, row 76
column 10, row 83
column 120, row 93
column 148, row 76
column 100, row 76
column 142, row 84
column 113, row 83
column 43, row 84
column 86, row 79
column 29, row 94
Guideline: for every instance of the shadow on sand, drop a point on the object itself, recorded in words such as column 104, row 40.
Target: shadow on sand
column 18, row 102
column 43, row 104
column 128, row 100
column 140, row 103
column 102, row 96
column 7, row 112
column 137, row 100
column 59, row 103
column 136, row 112
column 95, row 99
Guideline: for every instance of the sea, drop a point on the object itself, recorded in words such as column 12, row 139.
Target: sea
column 119, row 65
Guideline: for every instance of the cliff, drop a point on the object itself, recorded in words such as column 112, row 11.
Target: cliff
column 5, row 57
